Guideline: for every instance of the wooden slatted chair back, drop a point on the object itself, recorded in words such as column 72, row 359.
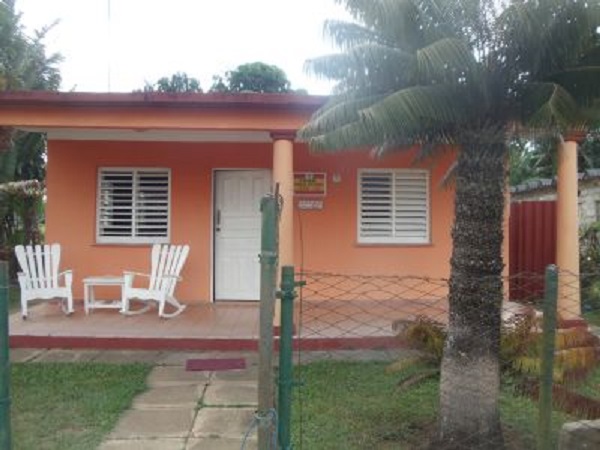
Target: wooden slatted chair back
column 167, row 262
column 40, row 265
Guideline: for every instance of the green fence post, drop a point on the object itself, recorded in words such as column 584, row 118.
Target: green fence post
column 286, row 379
column 5, row 443
column 269, row 207
column 547, row 354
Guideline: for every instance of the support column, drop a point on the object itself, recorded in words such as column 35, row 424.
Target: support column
column 567, row 228
column 283, row 173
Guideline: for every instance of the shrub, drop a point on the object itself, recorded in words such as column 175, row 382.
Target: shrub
column 589, row 266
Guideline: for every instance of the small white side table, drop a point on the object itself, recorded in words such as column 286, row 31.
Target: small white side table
column 89, row 299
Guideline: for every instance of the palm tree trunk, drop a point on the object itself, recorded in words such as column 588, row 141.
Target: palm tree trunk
column 470, row 379
column 31, row 225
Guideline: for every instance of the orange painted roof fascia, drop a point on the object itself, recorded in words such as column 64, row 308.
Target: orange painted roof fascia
column 249, row 111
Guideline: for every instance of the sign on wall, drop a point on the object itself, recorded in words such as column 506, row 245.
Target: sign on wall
column 310, row 204
column 310, row 183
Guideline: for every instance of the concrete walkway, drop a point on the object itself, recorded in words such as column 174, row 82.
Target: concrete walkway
column 189, row 410
column 181, row 410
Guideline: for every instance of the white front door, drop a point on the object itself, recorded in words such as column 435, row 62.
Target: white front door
column 237, row 225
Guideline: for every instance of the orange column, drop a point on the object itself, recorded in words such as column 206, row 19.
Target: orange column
column 567, row 229
column 283, row 173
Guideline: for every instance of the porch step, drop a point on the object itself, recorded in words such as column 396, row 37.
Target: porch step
column 227, row 344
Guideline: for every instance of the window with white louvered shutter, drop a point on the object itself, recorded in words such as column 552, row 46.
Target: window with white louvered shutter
column 393, row 206
column 133, row 205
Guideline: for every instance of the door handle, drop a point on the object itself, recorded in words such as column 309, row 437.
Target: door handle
column 218, row 220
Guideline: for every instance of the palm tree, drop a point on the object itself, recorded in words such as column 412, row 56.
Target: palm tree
column 468, row 74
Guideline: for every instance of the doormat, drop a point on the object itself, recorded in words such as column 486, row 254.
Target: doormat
column 215, row 364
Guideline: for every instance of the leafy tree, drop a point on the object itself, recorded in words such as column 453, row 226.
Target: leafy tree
column 531, row 160
column 465, row 74
column 179, row 82
column 589, row 154
column 252, row 77
column 24, row 65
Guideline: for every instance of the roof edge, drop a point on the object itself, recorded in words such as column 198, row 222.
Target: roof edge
column 162, row 99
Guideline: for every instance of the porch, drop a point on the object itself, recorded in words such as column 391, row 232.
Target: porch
column 320, row 325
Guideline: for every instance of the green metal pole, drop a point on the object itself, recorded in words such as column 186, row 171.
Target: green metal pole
column 547, row 354
column 286, row 380
column 268, row 289
column 5, row 442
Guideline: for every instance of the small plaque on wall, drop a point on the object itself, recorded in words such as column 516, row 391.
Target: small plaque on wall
column 310, row 183
column 310, row 204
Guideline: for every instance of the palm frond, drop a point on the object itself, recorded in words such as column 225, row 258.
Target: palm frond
column 338, row 111
column 549, row 105
column 581, row 82
column 346, row 35
column 448, row 60
column 547, row 36
column 395, row 20
column 417, row 109
column 372, row 65
column 353, row 135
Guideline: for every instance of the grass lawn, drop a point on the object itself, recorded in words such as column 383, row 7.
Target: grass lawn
column 70, row 406
column 593, row 317
column 14, row 299
column 591, row 385
column 353, row 405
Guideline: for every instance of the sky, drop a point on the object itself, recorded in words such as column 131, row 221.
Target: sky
column 118, row 45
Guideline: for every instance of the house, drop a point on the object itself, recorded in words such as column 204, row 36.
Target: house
column 129, row 170
column 545, row 190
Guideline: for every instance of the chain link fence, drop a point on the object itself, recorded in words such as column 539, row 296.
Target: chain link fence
column 371, row 351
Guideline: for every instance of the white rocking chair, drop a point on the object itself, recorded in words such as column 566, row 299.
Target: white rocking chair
column 39, row 276
column 167, row 262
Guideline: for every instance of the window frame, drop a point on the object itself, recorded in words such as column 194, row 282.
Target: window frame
column 132, row 240
column 393, row 240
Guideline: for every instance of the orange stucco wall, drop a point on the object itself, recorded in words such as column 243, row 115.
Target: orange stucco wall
column 329, row 236
column 329, row 240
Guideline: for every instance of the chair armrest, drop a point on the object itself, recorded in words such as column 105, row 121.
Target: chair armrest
column 68, row 275
column 133, row 274
column 22, row 280
column 178, row 278
column 129, row 276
